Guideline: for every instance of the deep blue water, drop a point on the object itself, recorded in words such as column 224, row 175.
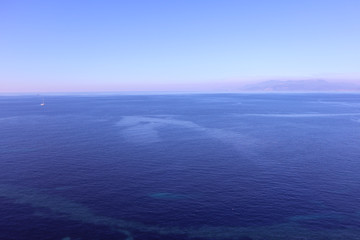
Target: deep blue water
column 211, row 166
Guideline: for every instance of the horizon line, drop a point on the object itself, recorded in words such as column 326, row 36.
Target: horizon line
column 168, row 92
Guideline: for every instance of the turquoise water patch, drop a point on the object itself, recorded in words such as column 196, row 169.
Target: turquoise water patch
column 78, row 212
column 168, row 196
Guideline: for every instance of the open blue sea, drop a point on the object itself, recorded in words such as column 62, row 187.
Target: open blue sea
column 180, row 167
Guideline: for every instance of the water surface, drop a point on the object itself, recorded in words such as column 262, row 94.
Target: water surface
column 207, row 166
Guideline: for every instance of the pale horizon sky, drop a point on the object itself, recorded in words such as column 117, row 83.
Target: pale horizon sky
column 139, row 45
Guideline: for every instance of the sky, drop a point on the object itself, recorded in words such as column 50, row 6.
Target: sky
column 174, row 45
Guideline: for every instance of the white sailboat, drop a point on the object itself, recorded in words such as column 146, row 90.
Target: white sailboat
column 43, row 103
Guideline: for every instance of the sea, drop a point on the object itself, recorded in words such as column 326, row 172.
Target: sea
column 180, row 167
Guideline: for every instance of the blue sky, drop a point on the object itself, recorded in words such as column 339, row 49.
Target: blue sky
column 174, row 45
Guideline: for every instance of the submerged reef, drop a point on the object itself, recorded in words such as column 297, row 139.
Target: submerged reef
column 168, row 196
column 293, row 229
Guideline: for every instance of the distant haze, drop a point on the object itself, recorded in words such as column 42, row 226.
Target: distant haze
column 301, row 86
